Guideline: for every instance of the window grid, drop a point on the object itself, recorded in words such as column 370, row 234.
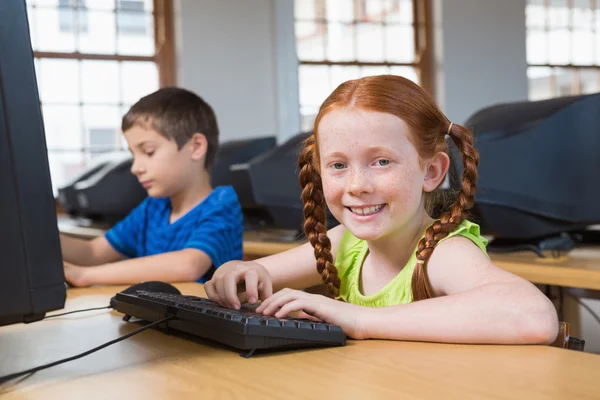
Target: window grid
column 554, row 69
column 388, row 13
column 67, row 159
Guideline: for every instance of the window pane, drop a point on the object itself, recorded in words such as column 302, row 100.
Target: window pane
column 583, row 15
column 560, row 51
column 597, row 49
column 407, row 72
column 100, row 81
column 100, row 34
column 340, row 42
column 101, row 124
column 58, row 81
column 558, row 14
column 305, row 9
column 590, row 80
column 65, row 166
column 49, row 37
column 369, row 40
column 537, row 46
column 566, row 81
column 139, row 79
column 399, row 43
column 540, row 83
column 338, row 10
column 309, row 41
column 308, row 115
column 583, row 46
column 314, row 84
column 136, row 33
column 535, row 12
column 100, row 5
column 62, row 124
column 371, row 10
column 399, row 11
column 341, row 74
column 370, row 71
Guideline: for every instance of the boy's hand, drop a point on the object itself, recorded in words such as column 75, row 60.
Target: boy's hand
column 234, row 279
column 75, row 275
column 318, row 307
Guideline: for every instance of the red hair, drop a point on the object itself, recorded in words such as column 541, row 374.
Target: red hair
column 428, row 126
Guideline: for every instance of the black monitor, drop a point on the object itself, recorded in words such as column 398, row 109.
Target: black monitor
column 231, row 168
column 274, row 178
column 31, row 270
column 539, row 176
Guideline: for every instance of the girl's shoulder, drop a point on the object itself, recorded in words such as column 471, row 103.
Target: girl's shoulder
column 471, row 231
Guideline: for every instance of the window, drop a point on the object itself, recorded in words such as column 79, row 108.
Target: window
column 563, row 47
column 71, row 15
column 88, row 78
column 338, row 40
column 131, row 18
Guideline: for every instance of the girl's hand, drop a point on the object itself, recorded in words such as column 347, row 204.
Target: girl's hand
column 235, row 281
column 318, row 307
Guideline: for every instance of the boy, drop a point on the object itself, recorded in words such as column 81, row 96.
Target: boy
column 184, row 229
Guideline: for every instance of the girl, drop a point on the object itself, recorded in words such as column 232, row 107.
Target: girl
column 376, row 160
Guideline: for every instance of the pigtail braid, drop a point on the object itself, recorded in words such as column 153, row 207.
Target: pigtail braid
column 448, row 221
column 315, row 217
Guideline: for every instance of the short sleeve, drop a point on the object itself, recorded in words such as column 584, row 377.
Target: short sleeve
column 123, row 237
column 220, row 232
column 471, row 231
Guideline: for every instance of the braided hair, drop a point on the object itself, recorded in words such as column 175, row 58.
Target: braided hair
column 428, row 126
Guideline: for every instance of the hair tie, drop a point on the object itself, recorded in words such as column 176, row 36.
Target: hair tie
column 450, row 128
column 420, row 261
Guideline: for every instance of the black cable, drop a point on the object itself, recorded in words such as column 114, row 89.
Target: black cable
column 588, row 308
column 64, row 360
column 77, row 311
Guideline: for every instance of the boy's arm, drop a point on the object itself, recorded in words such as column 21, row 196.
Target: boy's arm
column 87, row 252
column 177, row 266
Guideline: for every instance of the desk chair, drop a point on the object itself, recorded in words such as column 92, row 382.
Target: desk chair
column 565, row 340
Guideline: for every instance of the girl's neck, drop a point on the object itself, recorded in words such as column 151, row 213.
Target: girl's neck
column 192, row 195
column 394, row 251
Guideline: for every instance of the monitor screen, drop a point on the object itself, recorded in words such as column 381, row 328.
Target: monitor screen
column 31, row 270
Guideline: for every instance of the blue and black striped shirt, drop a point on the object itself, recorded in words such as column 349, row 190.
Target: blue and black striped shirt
column 214, row 226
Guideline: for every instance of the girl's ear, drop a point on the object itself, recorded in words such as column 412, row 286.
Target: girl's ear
column 198, row 146
column 437, row 168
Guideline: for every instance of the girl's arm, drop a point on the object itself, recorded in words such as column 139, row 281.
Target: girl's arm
column 296, row 268
column 474, row 302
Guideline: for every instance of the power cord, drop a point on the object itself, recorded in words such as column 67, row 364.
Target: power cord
column 7, row 378
column 77, row 311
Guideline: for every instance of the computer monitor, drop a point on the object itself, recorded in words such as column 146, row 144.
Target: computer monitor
column 274, row 179
column 231, row 168
column 31, row 270
column 539, row 175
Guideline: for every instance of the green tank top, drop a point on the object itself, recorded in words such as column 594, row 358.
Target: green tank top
column 351, row 255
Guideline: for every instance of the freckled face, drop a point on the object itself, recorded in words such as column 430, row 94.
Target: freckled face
column 370, row 170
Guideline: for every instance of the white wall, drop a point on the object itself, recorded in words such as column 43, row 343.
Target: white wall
column 480, row 56
column 227, row 52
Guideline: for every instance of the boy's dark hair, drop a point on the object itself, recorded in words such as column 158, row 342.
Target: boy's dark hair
column 176, row 114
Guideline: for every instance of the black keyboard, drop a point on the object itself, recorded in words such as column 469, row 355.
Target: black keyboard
column 242, row 329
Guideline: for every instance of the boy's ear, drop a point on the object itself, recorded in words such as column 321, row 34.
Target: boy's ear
column 198, row 146
column 437, row 168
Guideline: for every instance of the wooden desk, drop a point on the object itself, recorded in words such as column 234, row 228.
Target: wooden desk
column 153, row 365
column 79, row 228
